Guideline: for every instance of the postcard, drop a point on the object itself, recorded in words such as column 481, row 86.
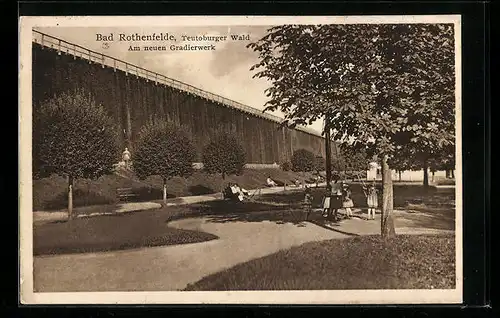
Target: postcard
column 240, row 160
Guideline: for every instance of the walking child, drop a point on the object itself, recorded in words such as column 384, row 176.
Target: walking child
column 371, row 200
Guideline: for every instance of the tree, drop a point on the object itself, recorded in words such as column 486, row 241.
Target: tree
column 378, row 87
column 164, row 149
column 224, row 155
column 73, row 137
column 303, row 160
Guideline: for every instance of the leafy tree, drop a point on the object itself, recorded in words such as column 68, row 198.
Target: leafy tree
column 164, row 149
column 73, row 137
column 378, row 87
column 303, row 160
column 224, row 155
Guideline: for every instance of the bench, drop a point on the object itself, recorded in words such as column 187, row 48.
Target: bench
column 125, row 193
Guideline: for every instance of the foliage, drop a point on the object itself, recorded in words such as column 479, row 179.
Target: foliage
column 73, row 136
column 385, row 86
column 303, row 160
column 286, row 165
column 319, row 163
column 224, row 155
column 164, row 149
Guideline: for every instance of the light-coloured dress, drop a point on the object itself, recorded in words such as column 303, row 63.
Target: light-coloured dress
column 372, row 198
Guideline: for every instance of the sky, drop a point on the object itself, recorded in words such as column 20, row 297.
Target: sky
column 224, row 71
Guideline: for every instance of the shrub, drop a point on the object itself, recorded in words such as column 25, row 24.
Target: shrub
column 163, row 149
column 73, row 137
column 445, row 182
column 224, row 155
column 82, row 198
column 286, row 166
column 303, row 160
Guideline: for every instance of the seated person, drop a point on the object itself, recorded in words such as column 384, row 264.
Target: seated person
column 270, row 182
column 241, row 193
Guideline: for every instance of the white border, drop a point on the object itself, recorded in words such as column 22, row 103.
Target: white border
column 240, row 297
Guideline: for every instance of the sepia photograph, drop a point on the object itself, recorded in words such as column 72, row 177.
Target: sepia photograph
column 240, row 159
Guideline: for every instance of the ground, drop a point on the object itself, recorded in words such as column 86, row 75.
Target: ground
column 268, row 225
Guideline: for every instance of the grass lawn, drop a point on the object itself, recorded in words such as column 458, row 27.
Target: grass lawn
column 149, row 228
column 50, row 193
column 405, row 195
column 107, row 233
column 369, row 262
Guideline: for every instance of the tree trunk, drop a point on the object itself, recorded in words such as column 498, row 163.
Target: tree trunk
column 223, row 176
column 164, row 190
column 452, row 174
column 328, row 155
column 387, row 222
column 426, row 174
column 70, row 197
column 432, row 176
column 399, row 172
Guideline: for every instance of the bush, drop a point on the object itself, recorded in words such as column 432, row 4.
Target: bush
column 286, row 166
column 163, row 149
column 224, row 155
column 81, row 198
column 303, row 160
column 445, row 182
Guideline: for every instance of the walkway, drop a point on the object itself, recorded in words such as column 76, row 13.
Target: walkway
column 172, row 267
column 404, row 222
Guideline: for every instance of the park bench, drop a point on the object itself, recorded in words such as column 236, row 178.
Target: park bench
column 124, row 194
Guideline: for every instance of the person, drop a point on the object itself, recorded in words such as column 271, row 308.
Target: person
column 126, row 157
column 336, row 196
column 371, row 200
column 270, row 182
column 347, row 202
column 308, row 198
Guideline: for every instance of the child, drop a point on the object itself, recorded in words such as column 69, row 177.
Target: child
column 371, row 200
column 347, row 203
column 308, row 198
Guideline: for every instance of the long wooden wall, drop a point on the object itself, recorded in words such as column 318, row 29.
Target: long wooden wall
column 132, row 101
